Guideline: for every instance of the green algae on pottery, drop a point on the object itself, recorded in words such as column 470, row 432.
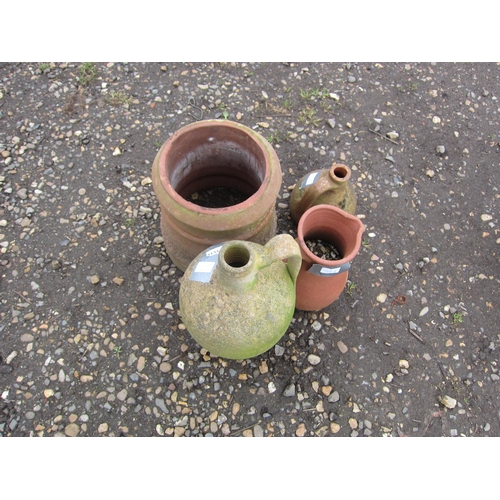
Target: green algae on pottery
column 324, row 187
column 237, row 299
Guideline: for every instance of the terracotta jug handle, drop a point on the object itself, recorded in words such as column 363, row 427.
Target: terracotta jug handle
column 283, row 247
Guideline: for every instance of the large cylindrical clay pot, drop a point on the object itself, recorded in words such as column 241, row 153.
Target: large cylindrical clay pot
column 321, row 281
column 216, row 180
column 237, row 299
column 324, row 187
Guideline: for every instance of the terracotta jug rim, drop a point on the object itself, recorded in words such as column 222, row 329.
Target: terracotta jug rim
column 338, row 214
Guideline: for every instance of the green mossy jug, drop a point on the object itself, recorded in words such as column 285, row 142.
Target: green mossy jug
column 237, row 299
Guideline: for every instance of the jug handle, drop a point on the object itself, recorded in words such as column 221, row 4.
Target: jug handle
column 283, row 247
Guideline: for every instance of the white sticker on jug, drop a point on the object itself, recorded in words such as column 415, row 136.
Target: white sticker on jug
column 204, row 267
column 330, row 270
column 327, row 272
column 310, row 179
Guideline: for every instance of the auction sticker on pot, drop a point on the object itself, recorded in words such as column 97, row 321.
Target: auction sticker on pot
column 205, row 266
column 327, row 271
column 310, row 179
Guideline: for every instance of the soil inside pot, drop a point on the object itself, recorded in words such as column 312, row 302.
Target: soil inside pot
column 323, row 249
column 218, row 197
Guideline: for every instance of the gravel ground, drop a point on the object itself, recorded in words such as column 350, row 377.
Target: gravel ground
column 92, row 343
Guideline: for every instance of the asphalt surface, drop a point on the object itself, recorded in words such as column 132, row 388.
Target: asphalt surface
column 91, row 340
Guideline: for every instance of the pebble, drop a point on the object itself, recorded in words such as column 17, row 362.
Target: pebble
column 447, row 401
column 258, row 431
column 72, row 430
column 301, row 430
column 342, row 347
column 313, row 359
column 155, row 261
column 334, row 397
column 331, row 122
column 381, row 297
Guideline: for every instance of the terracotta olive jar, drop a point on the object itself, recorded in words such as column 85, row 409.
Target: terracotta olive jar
column 320, row 281
column 237, row 298
column 324, row 187
column 206, row 156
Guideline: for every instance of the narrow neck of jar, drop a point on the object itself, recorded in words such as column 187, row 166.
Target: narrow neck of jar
column 339, row 174
column 237, row 266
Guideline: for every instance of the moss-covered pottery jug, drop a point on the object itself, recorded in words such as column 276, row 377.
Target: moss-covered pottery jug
column 237, row 299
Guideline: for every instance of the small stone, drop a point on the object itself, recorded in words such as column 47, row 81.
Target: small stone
column 94, row 279
column 165, row 367
column 103, row 428
column 301, row 430
column 381, row 297
column 289, row 391
column 342, row 347
column 440, row 150
column 403, row 363
column 316, row 326
column 486, row 217
column 331, row 122
column 122, row 395
column 436, row 119
column 424, row 311
column 334, row 427
column 155, row 261
column 118, row 281
column 140, row 363
column 392, row 135
column 430, row 173
column 313, row 359
column 334, row 397
column 72, row 430
column 258, row 431
column 447, row 401
column 279, row 350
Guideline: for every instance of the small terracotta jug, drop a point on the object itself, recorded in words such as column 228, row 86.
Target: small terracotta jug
column 320, row 281
column 324, row 187
column 237, row 299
